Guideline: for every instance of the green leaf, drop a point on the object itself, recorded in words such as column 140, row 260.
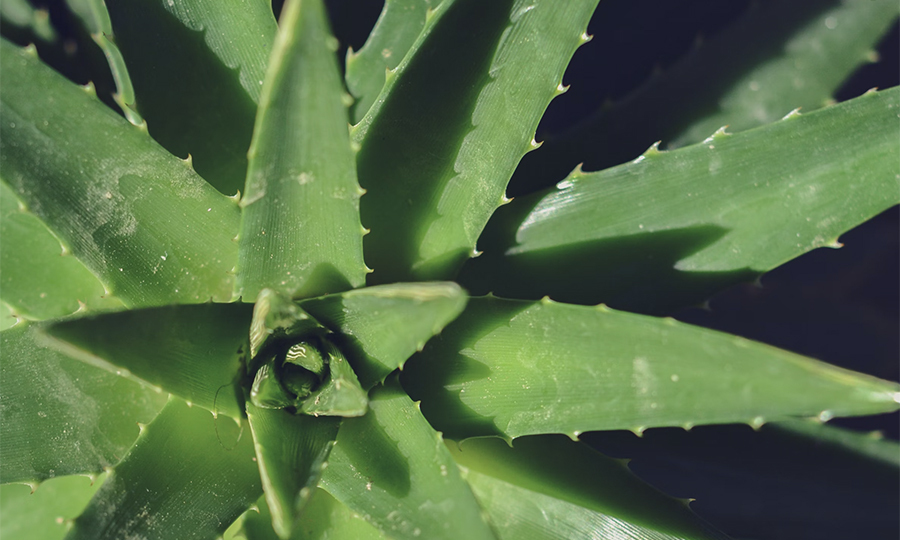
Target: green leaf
column 39, row 278
column 197, row 352
column 396, row 31
column 21, row 14
column 384, row 325
column 188, row 476
column 291, row 450
column 572, row 472
column 95, row 18
column 198, row 86
column 61, row 416
column 44, row 513
column 872, row 447
column 340, row 393
column 775, row 58
column 393, row 469
column 325, row 518
column 277, row 318
column 300, row 231
column 442, row 139
column 8, row 318
column 512, row 368
column 520, row 514
column 142, row 221
column 671, row 228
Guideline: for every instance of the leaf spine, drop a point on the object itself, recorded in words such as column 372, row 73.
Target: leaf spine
column 90, row 89
column 30, row 50
column 793, row 114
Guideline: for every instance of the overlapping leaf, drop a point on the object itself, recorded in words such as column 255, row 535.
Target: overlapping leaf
column 141, row 220
column 61, row 416
column 670, row 228
column 188, row 476
column 441, row 141
column 47, row 512
column 514, row 368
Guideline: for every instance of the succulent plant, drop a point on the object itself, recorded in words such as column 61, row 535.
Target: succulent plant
column 199, row 232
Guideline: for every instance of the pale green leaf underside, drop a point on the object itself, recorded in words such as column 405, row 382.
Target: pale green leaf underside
column 291, row 450
column 443, row 138
column 382, row 326
column 198, row 86
column 197, row 352
column 38, row 279
column 188, row 476
column 300, row 230
column 775, row 58
column 326, row 518
column 44, row 514
column 397, row 28
column 692, row 217
column 393, row 469
column 513, row 368
column 61, row 416
column 141, row 220
column 573, row 472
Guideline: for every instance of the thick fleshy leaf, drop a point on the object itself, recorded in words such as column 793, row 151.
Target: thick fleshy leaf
column 574, row 473
column 520, row 514
column 777, row 57
column 61, row 416
column 197, row 352
column 340, row 393
column 326, row 518
column 300, row 230
column 397, row 29
column 393, row 469
column 45, row 513
column 513, row 368
column 39, row 279
column 276, row 317
column 670, row 228
column 198, row 86
column 801, row 478
column 382, row 326
column 291, row 450
column 188, row 476
column 141, row 220
column 442, row 140
column 95, row 19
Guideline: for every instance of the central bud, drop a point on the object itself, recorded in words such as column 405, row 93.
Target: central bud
column 297, row 365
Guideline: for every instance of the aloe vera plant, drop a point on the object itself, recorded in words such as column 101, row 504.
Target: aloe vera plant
column 238, row 317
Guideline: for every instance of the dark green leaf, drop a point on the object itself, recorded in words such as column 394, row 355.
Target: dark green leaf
column 325, row 519
column 291, row 450
column 382, row 326
column 188, row 476
column 671, row 228
column 443, row 138
column 197, row 352
column 393, row 469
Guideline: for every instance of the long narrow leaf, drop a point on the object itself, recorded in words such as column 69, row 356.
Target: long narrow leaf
column 300, row 231
column 188, row 476
column 61, row 416
column 398, row 27
column 292, row 450
column 514, row 368
column 442, row 140
column 393, row 469
column 198, row 87
column 151, row 229
column 197, row 352
column 671, row 228
column 777, row 57
column 326, row 518
column 383, row 326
